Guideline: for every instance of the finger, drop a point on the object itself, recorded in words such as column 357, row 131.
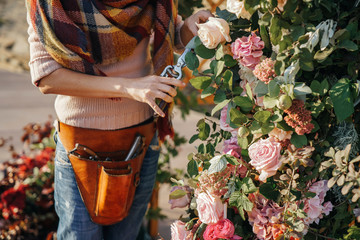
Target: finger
column 173, row 82
column 163, row 96
column 168, row 89
column 156, row 108
column 204, row 15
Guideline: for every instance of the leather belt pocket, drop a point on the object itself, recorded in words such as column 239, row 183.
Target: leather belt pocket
column 115, row 188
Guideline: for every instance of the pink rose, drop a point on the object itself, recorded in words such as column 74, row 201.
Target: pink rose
column 183, row 201
column 209, row 233
column 248, row 50
column 223, row 125
column 210, row 208
column 328, row 207
column 178, row 231
column 280, row 134
column 232, row 148
column 264, row 155
column 223, row 229
column 320, row 188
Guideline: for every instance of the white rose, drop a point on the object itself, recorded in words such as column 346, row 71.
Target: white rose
column 237, row 7
column 214, row 32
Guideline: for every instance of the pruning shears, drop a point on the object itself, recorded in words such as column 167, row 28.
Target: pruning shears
column 175, row 71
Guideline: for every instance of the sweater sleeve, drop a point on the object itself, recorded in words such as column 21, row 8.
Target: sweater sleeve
column 41, row 63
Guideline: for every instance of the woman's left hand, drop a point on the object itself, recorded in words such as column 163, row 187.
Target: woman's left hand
column 189, row 29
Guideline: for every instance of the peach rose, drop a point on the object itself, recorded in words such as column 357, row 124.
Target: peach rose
column 210, row 208
column 281, row 4
column 264, row 155
column 237, row 7
column 214, row 32
column 178, row 231
column 280, row 134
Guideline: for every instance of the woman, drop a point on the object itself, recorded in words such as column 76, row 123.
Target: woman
column 95, row 55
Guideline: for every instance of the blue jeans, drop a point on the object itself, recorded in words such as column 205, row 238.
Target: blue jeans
column 74, row 220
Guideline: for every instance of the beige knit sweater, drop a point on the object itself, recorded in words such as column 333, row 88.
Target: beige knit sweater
column 98, row 113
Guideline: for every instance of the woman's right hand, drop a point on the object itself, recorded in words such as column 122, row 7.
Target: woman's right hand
column 147, row 89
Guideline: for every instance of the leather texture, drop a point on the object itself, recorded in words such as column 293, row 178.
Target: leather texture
column 106, row 187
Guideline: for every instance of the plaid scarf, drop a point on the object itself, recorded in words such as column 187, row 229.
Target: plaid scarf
column 79, row 34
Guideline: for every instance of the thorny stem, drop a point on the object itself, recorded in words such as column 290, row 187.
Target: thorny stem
column 288, row 190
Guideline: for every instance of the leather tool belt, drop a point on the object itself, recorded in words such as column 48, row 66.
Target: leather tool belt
column 106, row 175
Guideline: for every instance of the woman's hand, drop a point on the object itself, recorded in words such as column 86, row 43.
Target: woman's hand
column 147, row 89
column 189, row 29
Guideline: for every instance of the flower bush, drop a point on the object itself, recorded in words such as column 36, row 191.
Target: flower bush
column 26, row 189
column 282, row 161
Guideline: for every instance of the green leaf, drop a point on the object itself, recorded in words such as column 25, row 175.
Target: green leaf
column 279, row 67
column 255, row 127
column 237, row 117
column 232, row 160
column 262, row 116
column 276, row 117
column 283, row 125
column 269, row 102
column 243, row 142
column 265, row 36
column 204, row 129
column 267, row 127
column 219, row 106
column 341, row 97
column 208, row 92
column 192, row 61
column 219, row 52
column 233, row 200
column 201, row 82
column 192, row 168
column 229, row 61
column 245, row 203
column 261, row 89
column 218, row 164
column 248, row 186
column 324, row 87
column 297, row 31
column 204, row 52
column 219, row 68
column 306, row 60
column 248, row 91
column 268, row 190
column 244, row 103
column 342, row 34
column 315, row 87
column 219, row 96
column 348, row 45
column 301, row 89
column 228, row 79
column 321, row 55
column 194, row 138
column 275, row 30
column 251, row 5
column 178, row 193
column 298, row 140
column 317, row 108
column 274, row 89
